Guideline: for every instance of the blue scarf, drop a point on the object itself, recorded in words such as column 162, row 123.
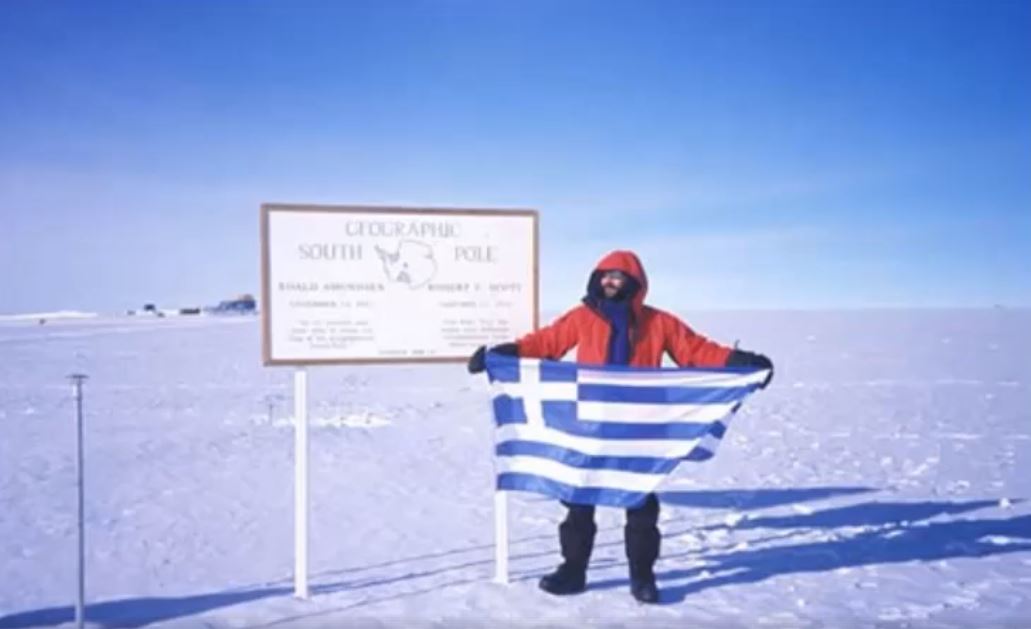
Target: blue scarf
column 618, row 314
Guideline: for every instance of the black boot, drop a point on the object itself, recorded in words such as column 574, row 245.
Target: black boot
column 576, row 536
column 642, row 539
column 566, row 579
column 643, row 588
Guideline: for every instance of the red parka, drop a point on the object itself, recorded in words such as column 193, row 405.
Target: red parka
column 652, row 331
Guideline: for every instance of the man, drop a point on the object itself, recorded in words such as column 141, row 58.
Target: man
column 613, row 327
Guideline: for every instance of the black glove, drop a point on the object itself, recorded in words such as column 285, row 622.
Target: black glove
column 478, row 361
column 739, row 358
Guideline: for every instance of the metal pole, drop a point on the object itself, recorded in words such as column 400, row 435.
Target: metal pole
column 80, row 598
column 301, row 483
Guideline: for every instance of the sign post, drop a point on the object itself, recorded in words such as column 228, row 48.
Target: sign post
column 301, row 483
column 500, row 537
column 380, row 285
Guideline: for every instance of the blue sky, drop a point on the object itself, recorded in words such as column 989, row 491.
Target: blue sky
column 790, row 154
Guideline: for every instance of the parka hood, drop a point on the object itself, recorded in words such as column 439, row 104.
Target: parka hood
column 627, row 262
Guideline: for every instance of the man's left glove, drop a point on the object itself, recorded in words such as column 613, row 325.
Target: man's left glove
column 740, row 358
column 478, row 361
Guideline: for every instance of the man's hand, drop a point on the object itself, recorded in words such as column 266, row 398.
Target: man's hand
column 478, row 361
column 739, row 358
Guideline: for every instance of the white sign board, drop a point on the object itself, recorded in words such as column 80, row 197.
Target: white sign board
column 343, row 284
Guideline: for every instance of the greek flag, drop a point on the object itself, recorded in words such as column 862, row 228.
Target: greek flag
column 606, row 435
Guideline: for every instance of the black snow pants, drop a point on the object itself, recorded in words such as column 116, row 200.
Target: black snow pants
column 640, row 535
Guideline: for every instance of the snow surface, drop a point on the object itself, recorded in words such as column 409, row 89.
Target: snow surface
column 882, row 480
column 36, row 316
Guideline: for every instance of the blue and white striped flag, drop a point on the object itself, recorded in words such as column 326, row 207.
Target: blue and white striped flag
column 606, row 435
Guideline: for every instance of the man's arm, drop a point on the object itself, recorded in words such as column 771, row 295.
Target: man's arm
column 690, row 349
column 551, row 341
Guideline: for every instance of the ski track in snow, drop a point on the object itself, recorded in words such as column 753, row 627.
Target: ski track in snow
column 882, row 480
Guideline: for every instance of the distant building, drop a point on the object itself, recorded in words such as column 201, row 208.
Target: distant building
column 148, row 309
column 241, row 304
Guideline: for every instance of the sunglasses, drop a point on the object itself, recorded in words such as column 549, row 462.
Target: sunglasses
column 614, row 275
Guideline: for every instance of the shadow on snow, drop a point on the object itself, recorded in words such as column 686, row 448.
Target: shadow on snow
column 896, row 532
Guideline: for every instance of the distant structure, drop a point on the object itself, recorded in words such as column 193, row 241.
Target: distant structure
column 148, row 309
column 241, row 304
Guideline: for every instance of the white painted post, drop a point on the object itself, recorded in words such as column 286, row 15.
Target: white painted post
column 500, row 518
column 301, row 483
column 501, row 537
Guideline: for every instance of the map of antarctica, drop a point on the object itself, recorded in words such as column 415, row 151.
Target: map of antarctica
column 411, row 263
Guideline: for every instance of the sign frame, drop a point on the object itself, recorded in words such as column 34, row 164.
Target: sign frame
column 266, row 289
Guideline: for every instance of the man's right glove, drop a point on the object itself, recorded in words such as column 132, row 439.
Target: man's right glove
column 478, row 361
column 740, row 358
